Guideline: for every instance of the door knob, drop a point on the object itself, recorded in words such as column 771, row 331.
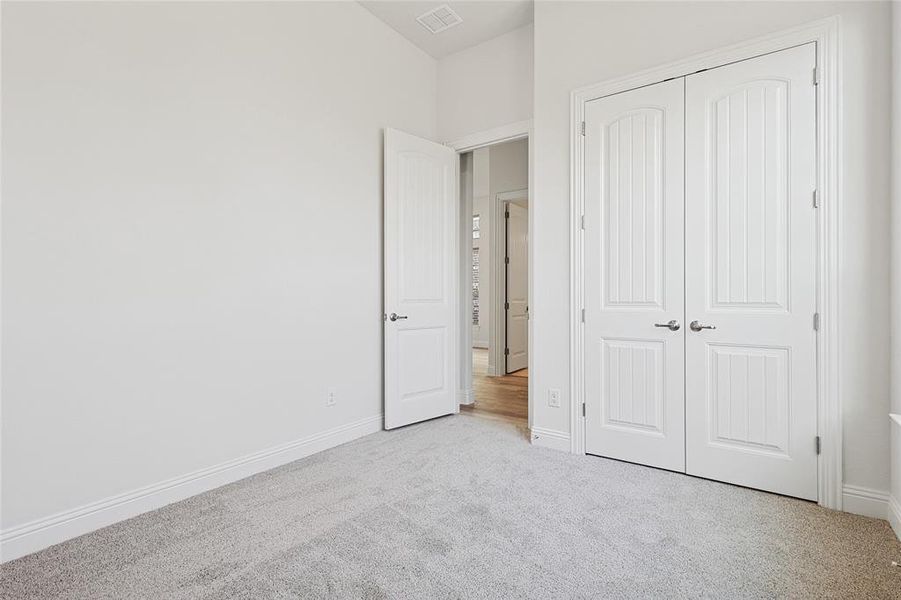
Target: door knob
column 695, row 326
column 395, row 316
column 671, row 325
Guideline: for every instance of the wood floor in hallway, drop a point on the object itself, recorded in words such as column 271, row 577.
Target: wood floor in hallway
column 504, row 397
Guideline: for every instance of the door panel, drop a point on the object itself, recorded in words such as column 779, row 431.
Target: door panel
column 420, row 279
column 751, row 273
column 517, row 287
column 634, row 276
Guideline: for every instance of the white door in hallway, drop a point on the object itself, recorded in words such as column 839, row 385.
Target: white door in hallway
column 634, row 276
column 517, row 287
column 750, row 272
column 420, row 279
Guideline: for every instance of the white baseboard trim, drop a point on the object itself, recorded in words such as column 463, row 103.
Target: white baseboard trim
column 894, row 515
column 466, row 397
column 865, row 501
column 39, row 534
column 549, row 438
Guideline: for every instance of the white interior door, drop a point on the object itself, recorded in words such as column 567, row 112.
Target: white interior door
column 517, row 287
column 634, row 276
column 420, row 279
column 751, row 416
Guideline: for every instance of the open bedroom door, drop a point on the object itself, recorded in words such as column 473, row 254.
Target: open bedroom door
column 420, row 279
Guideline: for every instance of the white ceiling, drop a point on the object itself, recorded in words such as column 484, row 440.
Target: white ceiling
column 482, row 20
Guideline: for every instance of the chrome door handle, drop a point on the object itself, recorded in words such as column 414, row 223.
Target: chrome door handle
column 695, row 326
column 671, row 325
column 396, row 317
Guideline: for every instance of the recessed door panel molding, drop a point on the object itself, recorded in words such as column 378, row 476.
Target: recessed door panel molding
column 634, row 403
column 634, row 385
column 750, row 273
column 748, row 130
column 420, row 279
column 748, row 398
column 633, row 203
column 423, row 350
column 423, row 219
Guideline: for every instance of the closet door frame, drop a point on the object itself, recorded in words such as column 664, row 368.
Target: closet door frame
column 825, row 33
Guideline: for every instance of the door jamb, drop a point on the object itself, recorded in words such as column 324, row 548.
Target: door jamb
column 489, row 137
column 825, row 33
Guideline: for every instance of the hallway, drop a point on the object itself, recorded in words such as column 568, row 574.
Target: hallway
column 505, row 397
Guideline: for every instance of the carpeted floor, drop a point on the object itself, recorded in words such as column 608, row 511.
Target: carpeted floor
column 463, row 507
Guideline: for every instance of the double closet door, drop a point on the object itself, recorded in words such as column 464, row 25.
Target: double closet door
column 700, row 274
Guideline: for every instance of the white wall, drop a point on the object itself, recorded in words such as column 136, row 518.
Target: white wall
column 581, row 43
column 191, row 234
column 895, row 516
column 486, row 86
column 509, row 169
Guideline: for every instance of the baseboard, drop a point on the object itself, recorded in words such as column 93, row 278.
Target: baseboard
column 37, row 535
column 894, row 502
column 466, row 397
column 894, row 515
column 865, row 501
column 549, row 438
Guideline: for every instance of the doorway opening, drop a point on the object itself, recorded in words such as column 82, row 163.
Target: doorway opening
column 429, row 309
column 494, row 191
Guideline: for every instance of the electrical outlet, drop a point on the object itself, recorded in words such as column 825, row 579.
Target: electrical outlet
column 330, row 398
column 553, row 398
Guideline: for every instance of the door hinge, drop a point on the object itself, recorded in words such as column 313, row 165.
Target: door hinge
column 506, row 306
column 506, row 214
column 816, row 199
column 582, row 222
column 817, row 442
column 506, row 351
column 583, row 409
column 816, row 76
column 583, row 315
column 582, row 129
column 816, row 321
column 506, row 260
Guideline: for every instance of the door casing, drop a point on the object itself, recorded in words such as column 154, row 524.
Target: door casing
column 825, row 33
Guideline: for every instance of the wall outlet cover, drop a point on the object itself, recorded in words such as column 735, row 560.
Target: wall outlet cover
column 553, row 398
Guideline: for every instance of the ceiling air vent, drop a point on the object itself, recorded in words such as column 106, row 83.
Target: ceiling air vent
column 439, row 19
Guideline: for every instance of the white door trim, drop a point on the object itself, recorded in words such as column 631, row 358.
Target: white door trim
column 504, row 133
column 825, row 33
column 489, row 137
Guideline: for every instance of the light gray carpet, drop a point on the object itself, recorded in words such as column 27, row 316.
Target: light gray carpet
column 463, row 507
